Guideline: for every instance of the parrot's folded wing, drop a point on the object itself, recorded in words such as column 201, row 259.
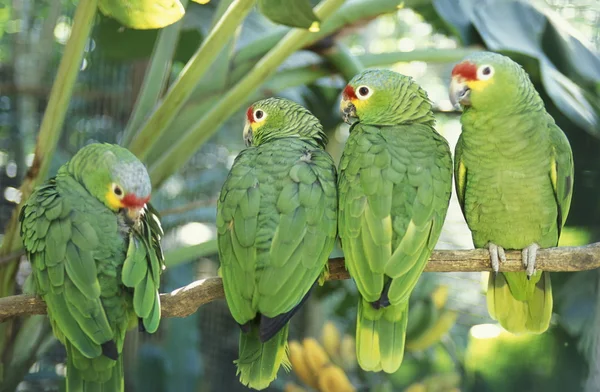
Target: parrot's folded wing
column 365, row 222
column 60, row 242
column 561, row 172
column 143, row 266
column 237, row 221
column 304, row 237
column 460, row 174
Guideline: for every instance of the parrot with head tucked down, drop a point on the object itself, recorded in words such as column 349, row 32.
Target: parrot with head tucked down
column 514, row 180
column 94, row 247
column 395, row 182
column 277, row 224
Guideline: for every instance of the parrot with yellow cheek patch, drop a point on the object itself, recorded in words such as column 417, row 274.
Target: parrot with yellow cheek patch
column 514, row 180
column 395, row 183
column 94, row 246
column 277, row 224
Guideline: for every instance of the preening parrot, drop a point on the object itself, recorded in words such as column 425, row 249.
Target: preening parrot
column 277, row 224
column 94, row 247
column 395, row 183
column 514, row 179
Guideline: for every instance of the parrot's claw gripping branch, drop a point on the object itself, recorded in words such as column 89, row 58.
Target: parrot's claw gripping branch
column 186, row 300
column 497, row 255
column 529, row 255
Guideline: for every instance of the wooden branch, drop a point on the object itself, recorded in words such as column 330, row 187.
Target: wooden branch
column 186, row 300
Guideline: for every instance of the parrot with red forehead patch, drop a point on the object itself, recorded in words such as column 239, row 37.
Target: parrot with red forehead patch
column 514, row 180
column 277, row 224
column 395, row 182
column 94, row 246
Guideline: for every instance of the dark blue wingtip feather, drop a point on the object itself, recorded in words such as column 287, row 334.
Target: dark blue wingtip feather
column 246, row 327
column 384, row 300
column 270, row 326
column 109, row 350
column 141, row 327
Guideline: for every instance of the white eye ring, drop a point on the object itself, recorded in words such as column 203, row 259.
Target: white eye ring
column 117, row 190
column 259, row 115
column 485, row 72
column 363, row 92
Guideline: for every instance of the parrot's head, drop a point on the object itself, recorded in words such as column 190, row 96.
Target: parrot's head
column 276, row 118
column 384, row 97
column 114, row 176
column 486, row 80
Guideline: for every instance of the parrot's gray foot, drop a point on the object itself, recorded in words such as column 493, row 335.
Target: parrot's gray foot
column 496, row 256
column 528, row 256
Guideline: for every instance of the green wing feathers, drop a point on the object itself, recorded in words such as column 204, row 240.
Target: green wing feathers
column 143, row 266
column 269, row 262
column 277, row 223
column 460, row 174
column 561, row 172
column 60, row 244
column 236, row 238
column 92, row 375
column 365, row 209
column 393, row 202
column 259, row 362
column 380, row 336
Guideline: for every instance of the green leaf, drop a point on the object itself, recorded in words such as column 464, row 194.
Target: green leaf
column 143, row 14
column 190, row 253
column 122, row 44
column 456, row 18
column 294, row 13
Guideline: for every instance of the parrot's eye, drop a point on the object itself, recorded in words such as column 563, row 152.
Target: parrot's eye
column 485, row 72
column 118, row 191
column 363, row 92
column 259, row 115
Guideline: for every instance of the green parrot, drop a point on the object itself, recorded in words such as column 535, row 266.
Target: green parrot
column 514, row 180
column 94, row 247
column 395, row 183
column 277, row 224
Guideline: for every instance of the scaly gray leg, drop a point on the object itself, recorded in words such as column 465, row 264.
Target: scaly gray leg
column 528, row 256
column 496, row 256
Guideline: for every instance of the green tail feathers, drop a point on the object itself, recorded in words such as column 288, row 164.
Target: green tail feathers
column 259, row 362
column 520, row 305
column 100, row 374
column 380, row 336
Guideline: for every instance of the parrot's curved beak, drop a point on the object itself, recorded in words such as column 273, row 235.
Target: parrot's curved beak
column 133, row 207
column 247, row 134
column 459, row 92
column 348, row 111
column 133, row 214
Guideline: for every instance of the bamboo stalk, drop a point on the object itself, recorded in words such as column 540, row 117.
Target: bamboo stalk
column 343, row 61
column 155, row 78
column 159, row 121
